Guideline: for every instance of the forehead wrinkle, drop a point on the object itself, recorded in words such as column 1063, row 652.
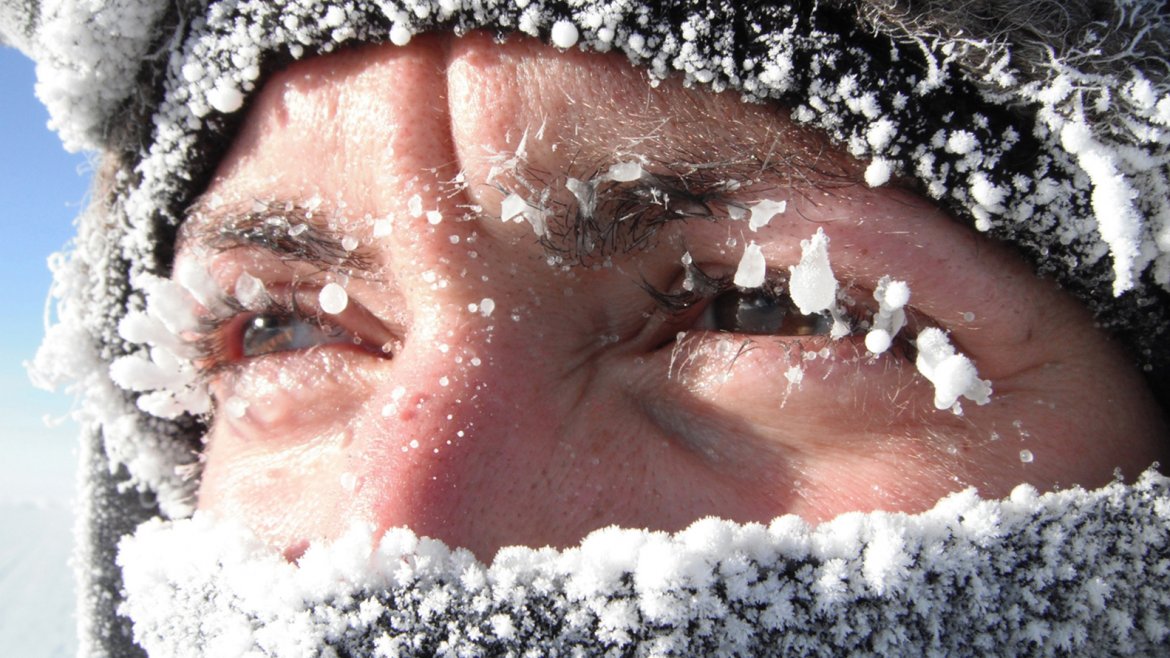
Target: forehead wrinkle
column 267, row 226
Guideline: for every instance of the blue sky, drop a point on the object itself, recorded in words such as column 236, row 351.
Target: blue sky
column 42, row 188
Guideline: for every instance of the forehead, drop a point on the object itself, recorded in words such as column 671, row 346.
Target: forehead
column 381, row 117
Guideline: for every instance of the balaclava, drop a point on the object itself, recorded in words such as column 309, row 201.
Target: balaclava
column 1064, row 109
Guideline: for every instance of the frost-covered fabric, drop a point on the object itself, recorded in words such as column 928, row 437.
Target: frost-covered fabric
column 1044, row 124
column 1069, row 573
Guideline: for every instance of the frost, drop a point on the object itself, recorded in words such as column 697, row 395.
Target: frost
column 333, row 298
column 763, row 211
column 891, row 297
column 811, row 283
column 250, row 292
column 225, row 98
column 515, row 209
column 208, row 587
column 952, row 374
column 486, row 306
column 752, row 268
column 564, row 34
column 624, row 172
column 878, row 172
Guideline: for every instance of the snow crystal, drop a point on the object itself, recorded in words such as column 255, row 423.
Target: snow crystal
column 715, row 588
column 1026, row 456
column 349, row 243
column 752, row 268
column 333, row 298
column 414, row 205
column 952, row 374
column 250, row 292
column 891, row 297
column 811, row 283
column 515, row 208
column 486, row 306
column 878, row 172
column 564, row 34
column 400, row 35
column 225, row 98
column 434, row 217
column 763, row 211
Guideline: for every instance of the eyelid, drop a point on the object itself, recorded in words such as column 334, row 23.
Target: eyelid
column 214, row 339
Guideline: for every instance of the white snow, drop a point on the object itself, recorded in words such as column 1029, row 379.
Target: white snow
column 225, row 97
column 333, row 298
column 891, row 297
column 400, row 35
column 486, row 306
column 752, row 267
column 878, row 172
column 737, row 588
column 952, row 374
column 811, row 283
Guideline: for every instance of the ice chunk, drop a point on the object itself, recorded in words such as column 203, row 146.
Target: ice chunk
column 515, row 208
column 486, row 306
column 763, row 211
column 564, row 34
column 333, row 299
column 752, row 267
column 952, row 374
column 625, row 172
column 250, row 292
column 811, row 283
column 414, row 205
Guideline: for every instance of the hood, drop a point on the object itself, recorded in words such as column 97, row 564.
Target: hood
column 1048, row 133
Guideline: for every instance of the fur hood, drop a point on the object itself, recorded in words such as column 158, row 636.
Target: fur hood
column 1043, row 124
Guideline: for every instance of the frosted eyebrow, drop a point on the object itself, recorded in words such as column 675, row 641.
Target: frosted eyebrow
column 287, row 230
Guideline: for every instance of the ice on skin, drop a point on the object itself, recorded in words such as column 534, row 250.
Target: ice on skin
column 892, row 297
column 953, row 374
column 752, row 268
column 811, row 283
column 624, row 172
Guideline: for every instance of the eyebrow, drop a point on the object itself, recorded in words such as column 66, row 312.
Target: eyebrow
column 290, row 231
column 621, row 218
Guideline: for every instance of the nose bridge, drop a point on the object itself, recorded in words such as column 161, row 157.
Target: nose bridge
column 451, row 430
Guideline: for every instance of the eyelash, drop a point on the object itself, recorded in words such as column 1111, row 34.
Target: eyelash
column 215, row 342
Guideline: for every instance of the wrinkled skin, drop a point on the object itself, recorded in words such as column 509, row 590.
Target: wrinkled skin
column 575, row 403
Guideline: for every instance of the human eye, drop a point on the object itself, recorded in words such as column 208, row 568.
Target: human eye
column 708, row 302
column 287, row 321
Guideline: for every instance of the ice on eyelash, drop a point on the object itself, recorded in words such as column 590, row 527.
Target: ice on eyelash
column 763, row 211
column 813, row 288
column 515, row 208
column 250, row 292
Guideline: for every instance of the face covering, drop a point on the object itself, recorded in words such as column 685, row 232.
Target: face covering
column 1065, row 159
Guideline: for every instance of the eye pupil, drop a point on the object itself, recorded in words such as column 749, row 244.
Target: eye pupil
column 265, row 334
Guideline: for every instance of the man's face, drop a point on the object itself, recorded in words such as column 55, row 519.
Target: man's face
column 490, row 382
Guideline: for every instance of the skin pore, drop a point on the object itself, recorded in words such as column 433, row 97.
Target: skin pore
column 488, row 386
